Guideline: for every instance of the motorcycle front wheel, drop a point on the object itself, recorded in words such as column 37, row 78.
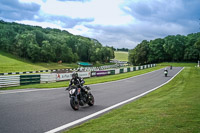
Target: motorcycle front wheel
column 91, row 100
column 74, row 104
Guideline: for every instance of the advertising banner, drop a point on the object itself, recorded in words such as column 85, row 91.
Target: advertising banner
column 68, row 76
column 84, row 74
column 93, row 73
column 63, row 76
column 102, row 73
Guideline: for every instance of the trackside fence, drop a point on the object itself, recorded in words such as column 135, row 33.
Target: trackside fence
column 29, row 79
column 17, row 80
column 120, row 70
column 48, row 78
column 7, row 81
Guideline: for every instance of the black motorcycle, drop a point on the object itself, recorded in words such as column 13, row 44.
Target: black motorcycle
column 79, row 97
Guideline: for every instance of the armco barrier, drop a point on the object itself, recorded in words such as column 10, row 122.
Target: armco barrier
column 48, row 78
column 75, row 69
column 117, row 71
column 125, row 70
column 16, row 80
column 112, row 72
column 121, row 70
column 29, row 79
column 7, row 81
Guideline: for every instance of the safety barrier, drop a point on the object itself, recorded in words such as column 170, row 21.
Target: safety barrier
column 121, row 70
column 29, row 79
column 74, row 69
column 6, row 81
column 17, row 80
column 48, row 78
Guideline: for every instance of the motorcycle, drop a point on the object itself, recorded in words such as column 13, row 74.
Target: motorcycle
column 165, row 72
column 79, row 97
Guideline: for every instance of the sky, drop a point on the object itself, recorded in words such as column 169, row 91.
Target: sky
column 117, row 23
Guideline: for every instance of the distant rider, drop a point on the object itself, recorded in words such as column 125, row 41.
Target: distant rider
column 166, row 70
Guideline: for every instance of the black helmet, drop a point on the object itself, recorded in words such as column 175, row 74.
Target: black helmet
column 74, row 75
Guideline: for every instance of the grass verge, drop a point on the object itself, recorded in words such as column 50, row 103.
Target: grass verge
column 175, row 107
column 93, row 80
column 175, row 64
column 121, row 56
column 11, row 63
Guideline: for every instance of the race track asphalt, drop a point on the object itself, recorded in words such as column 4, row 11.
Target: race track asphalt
column 43, row 110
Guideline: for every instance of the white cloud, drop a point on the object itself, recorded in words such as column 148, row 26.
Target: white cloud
column 104, row 12
column 118, row 23
column 40, row 2
column 42, row 24
column 80, row 30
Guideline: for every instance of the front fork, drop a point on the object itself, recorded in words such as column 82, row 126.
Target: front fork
column 77, row 93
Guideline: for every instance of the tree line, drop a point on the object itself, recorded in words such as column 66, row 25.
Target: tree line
column 50, row 45
column 121, row 49
column 173, row 48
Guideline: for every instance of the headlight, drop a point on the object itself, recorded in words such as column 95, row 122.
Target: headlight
column 72, row 91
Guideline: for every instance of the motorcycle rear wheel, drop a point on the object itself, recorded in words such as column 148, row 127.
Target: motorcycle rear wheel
column 74, row 104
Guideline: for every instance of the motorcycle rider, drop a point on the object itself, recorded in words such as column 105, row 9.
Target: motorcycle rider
column 171, row 67
column 78, row 81
column 165, row 71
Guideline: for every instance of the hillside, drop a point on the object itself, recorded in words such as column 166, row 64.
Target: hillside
column 10, row 63
column 39, row 44
column 121, row 56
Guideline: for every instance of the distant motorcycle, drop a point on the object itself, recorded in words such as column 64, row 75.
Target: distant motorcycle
column 80, row 98
column 165, row 72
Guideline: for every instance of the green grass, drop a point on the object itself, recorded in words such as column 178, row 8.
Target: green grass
column 121, row 56
column 178, row 64
column 11, row 63
column 93, row 80
column 173, row 108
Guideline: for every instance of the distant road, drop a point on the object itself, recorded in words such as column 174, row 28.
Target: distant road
column 43, row 110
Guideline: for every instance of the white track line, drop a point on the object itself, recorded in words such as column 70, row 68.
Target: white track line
column 61, row 128
column 49, row 89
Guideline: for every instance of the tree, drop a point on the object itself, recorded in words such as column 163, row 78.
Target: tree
column 139, row 55
column 33, row 51
column 156, row 51
column 47, row 52
column 174, row 47
column 22, row 43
